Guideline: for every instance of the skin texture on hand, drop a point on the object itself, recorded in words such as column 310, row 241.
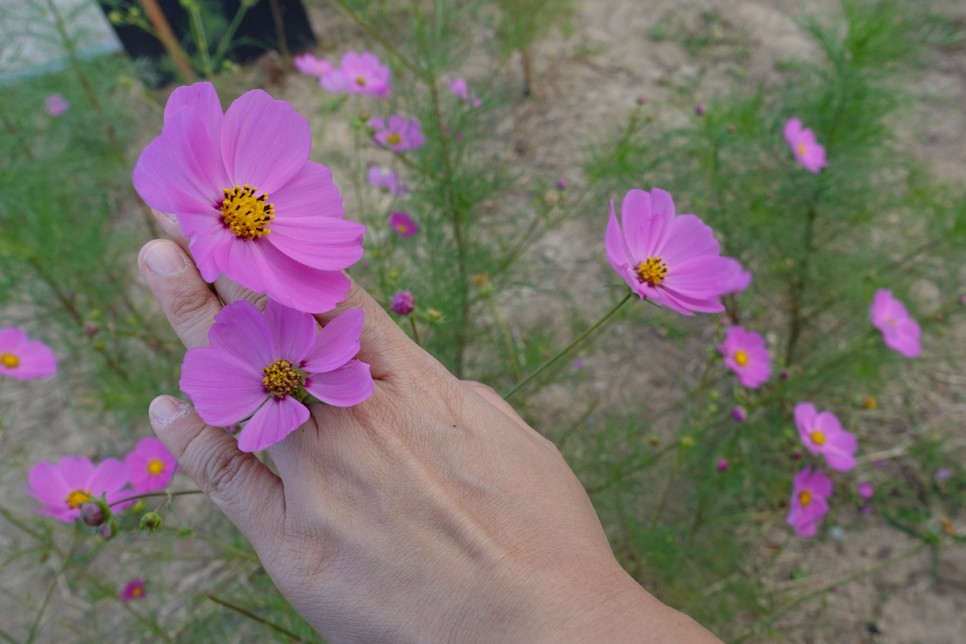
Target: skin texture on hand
column 430, row 512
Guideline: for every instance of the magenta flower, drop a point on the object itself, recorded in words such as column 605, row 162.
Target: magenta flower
column 809, row 502
column 63, row 487
column 461, row 91
column 25, row 359
column 700, row 109
column 739, row 414
column 309, row 64
column 802, row 141
column 133, row 590
column 358, row 74
column 403, row 303
column 397, row 133
column 673, row 260
column 721, row 465
column 822, row 433
column 745, row 354
column 403, row 225
column 251, row 203
column 386, row 179
column 56, row 104
column 899, row 331
column 865, row 490
column 150, row 465
column 263, row 365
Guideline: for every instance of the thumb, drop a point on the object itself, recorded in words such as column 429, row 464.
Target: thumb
column 249, row 494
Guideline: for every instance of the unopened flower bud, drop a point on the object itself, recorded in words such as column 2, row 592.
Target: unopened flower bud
column 92, row 514
column 721, row 465
column 150, row 521
column 699, row 109
column 434, row 316
column 687, row 442
column 107, row 530
column 739, row 414
column 403, row 303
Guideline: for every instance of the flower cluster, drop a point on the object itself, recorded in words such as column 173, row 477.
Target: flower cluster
column 356, row 74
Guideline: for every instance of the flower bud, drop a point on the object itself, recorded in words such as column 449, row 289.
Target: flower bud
column 150, row 521
column 107, row 530
column 739, row 414
column 721, row 465
column 434, row 316
column 92, row 514
column 699, row 109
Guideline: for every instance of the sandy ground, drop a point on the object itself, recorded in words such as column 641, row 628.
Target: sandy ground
column 584, row 82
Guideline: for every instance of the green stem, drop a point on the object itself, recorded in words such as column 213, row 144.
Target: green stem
column 412, row 324
column 580, row 338
column 511, row 347
column 50, row 590
column 250, row 615
column 201, row 40
column 156, row 494
column 225, row 40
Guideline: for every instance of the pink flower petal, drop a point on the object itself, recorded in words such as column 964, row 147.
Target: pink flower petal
column 275, row 420
column 203, row 99
column 805, row 414
column 617, row 253
column 337, row 343
column 47, row 484
column 310, row 193
column 699, row 277
column 293, row 331
column 324, row 243
column 688, row 237
column 242, row 330
column 637, row 220
column 346, row 386
column 793, row 128
column 223, row 390
column 296, row 285
column 75, row 470
column 264, row 142
column 110, row 475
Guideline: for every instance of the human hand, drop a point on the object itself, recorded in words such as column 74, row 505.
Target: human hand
column 430, row 512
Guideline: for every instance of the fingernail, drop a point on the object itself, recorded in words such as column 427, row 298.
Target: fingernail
column 164, row 410
column 165, row 259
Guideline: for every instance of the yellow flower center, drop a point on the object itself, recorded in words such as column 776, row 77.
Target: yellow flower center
column 801, row 149
column 741, row 358
column 361, row 81
column 281, row 378
column 246, row 215
column 155, row 466
column 394, row 139
column 77, row 498
column 804, row 497
column 653, row 271
column 9, row 360
column 818, row 438
column 401, row 227
column 137, row 592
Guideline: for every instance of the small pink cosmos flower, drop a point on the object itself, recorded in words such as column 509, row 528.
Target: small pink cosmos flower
column 403, row 225
column 134, row 590
column 673, row 260
column 397, row 133
column 56, row 104
column 309, row 64
column 746, row 355
column 899, row 331
column 802, row 141
column 263, row 365
column 386, row 179
column 722, row 465
column 249, row 200
column 865, row 490
column 358, row 74
column 461, row 91
column 63, row 487
column 822, row 433
column 809, row 502
column 739, row 414
column 151, row 465
column 25, row 359
column 403, row 303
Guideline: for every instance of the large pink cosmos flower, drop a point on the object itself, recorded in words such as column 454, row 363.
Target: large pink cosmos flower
column 822, row 433
column 74, row 480
column 745, row 354
column 899, row 331
column 25, row 359
column 358, row 74
column 806, row 150
column 673, row 260
column 264, row 364
column 151, row 465
column 251, row 203
column 809, row 502
column 397, row 133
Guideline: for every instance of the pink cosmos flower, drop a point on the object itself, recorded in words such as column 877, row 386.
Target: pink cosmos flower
column 865, row 490
column 358, row 74
column 802, row 141
column 721, row 465
column 386, row 179
column 822, row 433
column 251, row 203
column 309, row 64
column 397, row 133
column 899, row 331
column 74, row 480
column 151, row 465
column 403, row 303
column 809, row 502
column 673, row 260
column 133, row 590
column 403, row 225
column 739, row 413
column 461, row 91
column 56, row 104
column 263, row 365
column 25, row 359
column 745, row 354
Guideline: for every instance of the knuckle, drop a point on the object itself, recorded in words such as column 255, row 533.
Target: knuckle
column 222, row 469
column 188, row 305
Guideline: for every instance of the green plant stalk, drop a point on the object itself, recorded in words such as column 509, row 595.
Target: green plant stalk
column 198, row 31
column 250, row 615
column 797, row 290
column 672, row 474
column 511, row 347
column 579, row 339
column 225, row 40
column 50, row 589
column 156, row 494
column 412, row 324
